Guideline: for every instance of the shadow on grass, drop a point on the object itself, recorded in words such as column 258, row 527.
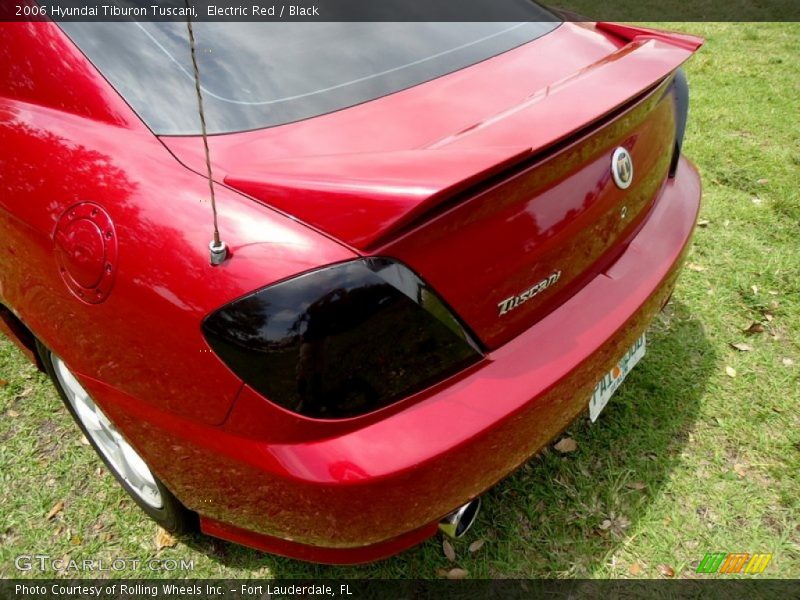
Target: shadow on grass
column 560, row 515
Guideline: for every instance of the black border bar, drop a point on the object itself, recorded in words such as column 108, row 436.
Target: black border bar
column 399, row 10
column 259, row 589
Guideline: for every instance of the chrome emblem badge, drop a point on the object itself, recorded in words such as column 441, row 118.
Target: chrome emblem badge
column 622, row 168
column 512, row 302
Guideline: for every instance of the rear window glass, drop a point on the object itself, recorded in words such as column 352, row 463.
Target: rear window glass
column 257, row 75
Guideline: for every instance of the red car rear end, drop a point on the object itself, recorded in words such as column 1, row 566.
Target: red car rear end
column 541, row 198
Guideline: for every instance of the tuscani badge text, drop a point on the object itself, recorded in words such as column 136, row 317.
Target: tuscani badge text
column 513, row 302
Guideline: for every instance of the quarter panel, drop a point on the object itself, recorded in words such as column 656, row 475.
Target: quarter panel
column 145, row 338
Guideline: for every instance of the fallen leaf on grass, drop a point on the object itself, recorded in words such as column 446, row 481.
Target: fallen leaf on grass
column 164, row 539
column 740, row 470
column 57, row 508
column 730, row 371
column 12, row 413
column 76, row 540
column 476, row 545
column 787, row 362
column 25, row 392
column 84, row 441
column 615, row 524
column 637, row 485
column 448, row 550
column 622, row 523
column 741, row 347
column 666, row 570
column 768, row 316
column 762, row 181
column 3, row 383
column 566, row 445
column 457, row 573
column 635, row 569
column 691, row 544
column 703, row 223
column 695, row 267
column 754, row 329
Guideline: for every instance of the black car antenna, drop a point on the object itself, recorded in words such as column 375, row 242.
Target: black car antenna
column 218, row 250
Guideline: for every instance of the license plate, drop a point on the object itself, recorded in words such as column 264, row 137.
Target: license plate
column 606, row 387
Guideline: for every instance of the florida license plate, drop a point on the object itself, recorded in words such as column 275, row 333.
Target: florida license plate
column 606, row 387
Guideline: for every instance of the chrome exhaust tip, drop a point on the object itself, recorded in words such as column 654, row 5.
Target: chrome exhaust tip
column 458, row 522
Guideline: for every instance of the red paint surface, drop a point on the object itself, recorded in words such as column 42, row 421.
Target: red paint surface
column 363, row 481
column 405, row 176
column 351, row 490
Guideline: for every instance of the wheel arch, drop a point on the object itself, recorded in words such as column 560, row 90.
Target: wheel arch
column 14, row 329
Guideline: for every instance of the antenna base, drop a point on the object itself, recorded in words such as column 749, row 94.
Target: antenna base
column 217, row 252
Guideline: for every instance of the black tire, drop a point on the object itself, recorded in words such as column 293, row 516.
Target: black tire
column 172, row 515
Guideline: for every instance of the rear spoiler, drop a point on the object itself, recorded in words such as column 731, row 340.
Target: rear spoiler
column 360, row 198
column 632, row 33
column 366, row 198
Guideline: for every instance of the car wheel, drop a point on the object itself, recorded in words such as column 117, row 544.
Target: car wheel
column 120, row 457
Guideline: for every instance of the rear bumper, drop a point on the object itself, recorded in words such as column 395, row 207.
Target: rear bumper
column 380, row 488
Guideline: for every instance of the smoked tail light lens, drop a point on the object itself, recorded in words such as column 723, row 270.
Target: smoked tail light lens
column 343, row 340
column 681, row 86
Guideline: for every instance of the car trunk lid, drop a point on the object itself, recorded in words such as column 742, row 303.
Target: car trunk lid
column 507, row 252
column 504, row 214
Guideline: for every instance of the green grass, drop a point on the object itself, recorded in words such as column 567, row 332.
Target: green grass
column 684, row 460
